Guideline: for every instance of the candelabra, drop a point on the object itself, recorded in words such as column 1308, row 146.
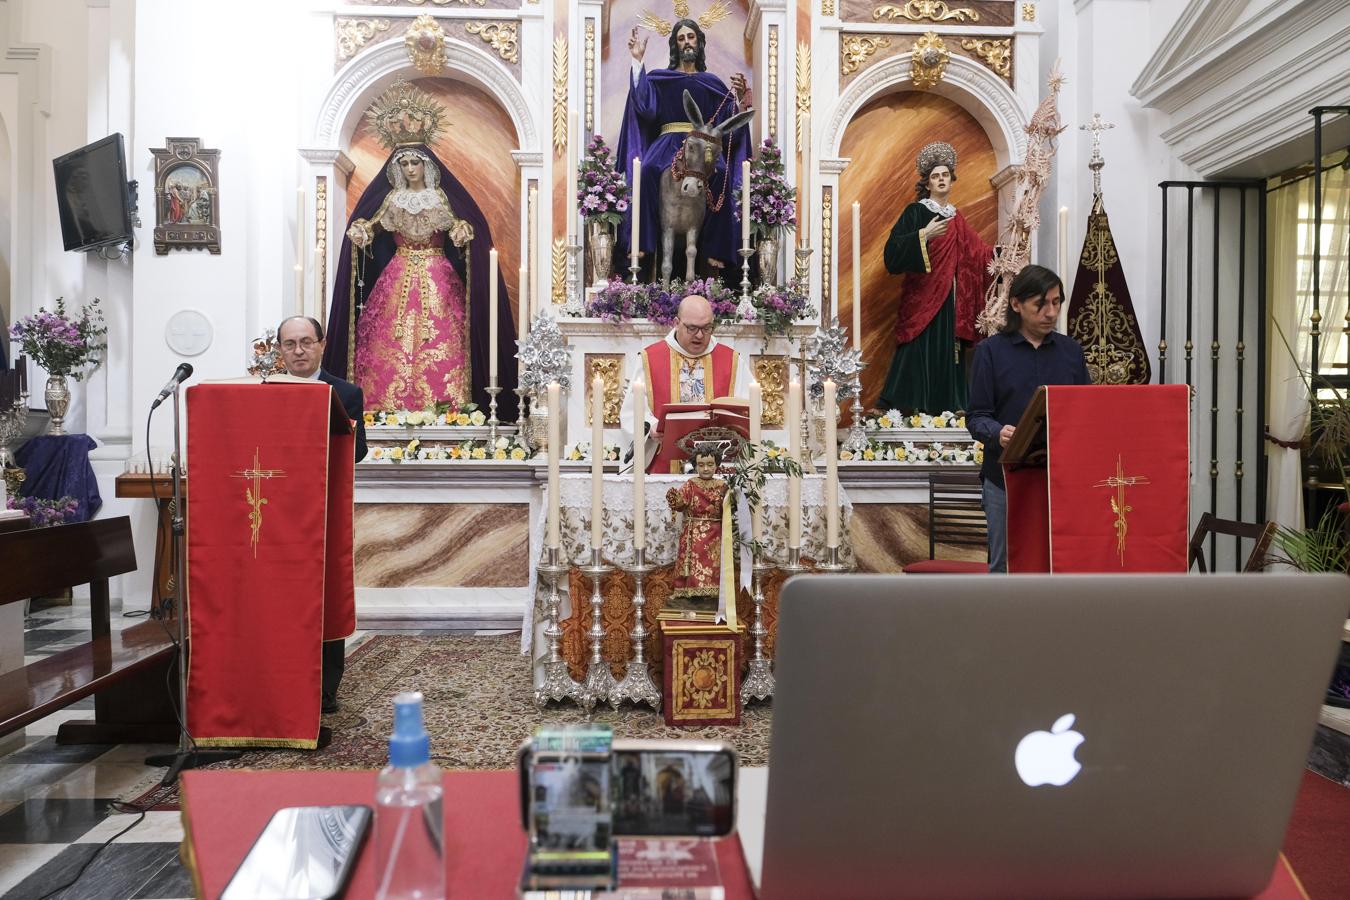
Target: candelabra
column 12, row 421
column 758, row 682
column 633, row 268
column 599, row 684
column 803, row 269
column 856, row 442
column 492, row 422
column 746, row 253
column 832, row 562
column 523, row 418
column 637, row 684
column 558, row 682
column 793, row 564
column 807, row 459
column 575, row 307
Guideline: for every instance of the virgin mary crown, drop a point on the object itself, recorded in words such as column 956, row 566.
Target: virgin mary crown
column 406, row 115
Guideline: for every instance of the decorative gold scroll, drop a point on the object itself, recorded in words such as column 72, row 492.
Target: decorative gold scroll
column 609, row 366
column 856, row 49
column 353, row 34
column 321, row 245
column 425, row 41
column 1028, row 12
column 558, row 261
column 924, row 11
column 997, row 54
column 500, row 36
column 928, row 62
column 560, row 94
column 590, row 75
column 826, row 246
column 423, row 2
column 803, row 87
column 773, row 82
column 771, row 373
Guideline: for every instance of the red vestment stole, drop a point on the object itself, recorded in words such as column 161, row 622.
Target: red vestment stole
column 662, row 366
column 958, row 257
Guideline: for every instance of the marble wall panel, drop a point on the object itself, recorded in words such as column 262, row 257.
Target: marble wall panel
column 442, row 545
column 889, row 536
column 986, row 13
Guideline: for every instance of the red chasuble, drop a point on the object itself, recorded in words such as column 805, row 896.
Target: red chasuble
column 662, row 370
column 269, row 559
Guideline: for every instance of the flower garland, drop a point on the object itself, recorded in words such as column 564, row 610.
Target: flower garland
column 893, row 418
column 619, row 301
column 60, row 344
column 918, row 453
column 444, row 415
column 43, row 513
column 504, row 449
column 582, row 451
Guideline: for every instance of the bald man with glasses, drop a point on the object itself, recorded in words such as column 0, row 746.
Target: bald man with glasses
column 689, row 366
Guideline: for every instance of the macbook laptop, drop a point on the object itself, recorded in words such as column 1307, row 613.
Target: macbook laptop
column 1042, row 736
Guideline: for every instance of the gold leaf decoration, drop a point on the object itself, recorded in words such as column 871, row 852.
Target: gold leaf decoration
column 652, row 22
column 559, row 264
column 426, row 45
column 856, row 49
column 803, row 87
column 590, row 74
column 1028, row 12
column 826, row 246
column 560, row 94
column 609, row 366
column 928, row 62
column 500, row 36
column 773, row 82
column 771, row 373
column 925, row 11
column 712, row 15
column 996, row 53
column 353, row 34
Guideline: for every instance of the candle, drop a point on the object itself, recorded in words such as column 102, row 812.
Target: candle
column 804, row 196
column 492, row 317
column 756, row 441
column 533, row 305
column 299, row 289
column 1063, row 263
column 857, row 276
column 573, row 156
column 523, row 303
column 794, row 485
column 554, row 456
column 636, row 208
column 639, row 464
column 831, row 467
column 745, row 204
column 597, row 462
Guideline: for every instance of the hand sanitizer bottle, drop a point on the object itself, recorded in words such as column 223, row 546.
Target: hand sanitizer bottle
column 408, row 849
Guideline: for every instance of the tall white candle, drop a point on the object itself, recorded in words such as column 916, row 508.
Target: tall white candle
column 639, row 465
column 857, row 276
column 804, row 195
column 794, row 485
column 299, row 289
column 492, row 316
column 636, row 208
column 523, row 304
column 574, row 151
column 554, row 457
column 745, row 204
column 300, row 251
column 1063, row 263
column 533, row 246
column 597, row 462
column 757, row 441
column 831, row 467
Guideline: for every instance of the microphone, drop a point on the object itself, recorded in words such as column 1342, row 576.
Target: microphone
column 181, row 374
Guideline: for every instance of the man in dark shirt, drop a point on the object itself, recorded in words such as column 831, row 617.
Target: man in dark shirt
column 1007, row 370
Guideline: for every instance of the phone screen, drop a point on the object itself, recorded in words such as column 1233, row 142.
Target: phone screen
column 304, row 853
column 673, row 792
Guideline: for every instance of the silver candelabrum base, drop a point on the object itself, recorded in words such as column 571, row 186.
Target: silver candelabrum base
column 600, row 681
column 832, row 562
column 637, row 684
column 558, row 684
column 493, row 423
column 793, row 564
column 856, row 442
column 759, row 681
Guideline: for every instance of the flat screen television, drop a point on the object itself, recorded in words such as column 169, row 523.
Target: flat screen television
column 92, row 195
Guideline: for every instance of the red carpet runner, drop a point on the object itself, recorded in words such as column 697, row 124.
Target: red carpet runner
column 1317, row 843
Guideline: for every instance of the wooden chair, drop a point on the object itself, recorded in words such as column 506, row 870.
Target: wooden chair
column 955, row 516
column 1210, row 524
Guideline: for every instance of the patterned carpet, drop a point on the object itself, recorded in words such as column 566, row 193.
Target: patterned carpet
column 479, row 707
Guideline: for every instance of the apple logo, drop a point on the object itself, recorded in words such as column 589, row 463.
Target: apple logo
column 1046, row 757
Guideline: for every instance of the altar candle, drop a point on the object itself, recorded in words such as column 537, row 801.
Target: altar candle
column 794, row 485
column 756, row 441
column 554, row 457
column 492, row 317
column 597, row 462
column 857, row 277
column 636, row 208
column 1063, row 263
column 533, row 305
column 299, row 289
column 639, row 465
column 573, row 157
column 831, row 467
column 523, row 304
column 804, row 195
column 745, row 204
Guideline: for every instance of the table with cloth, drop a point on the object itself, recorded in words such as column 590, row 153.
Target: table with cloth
column 56, row 466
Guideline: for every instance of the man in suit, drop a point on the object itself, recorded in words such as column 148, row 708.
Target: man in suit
column 302, row 343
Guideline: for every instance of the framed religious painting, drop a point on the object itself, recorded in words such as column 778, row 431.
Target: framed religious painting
column 187, row 197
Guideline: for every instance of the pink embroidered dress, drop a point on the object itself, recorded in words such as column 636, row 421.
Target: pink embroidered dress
column 412, row 339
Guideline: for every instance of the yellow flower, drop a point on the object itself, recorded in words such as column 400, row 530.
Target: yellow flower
column 477, row 417
column 885, row 422
column 575, row 454
column 900, row 453
column 915, row 421
column 961, row 422
column 772, row 453
column 499, row 454
column 396, row 453
column 979, row 456
column 518, row 453
column 845, row 454
column 455, row 452
column 939, row 422
column 377, row 453
column 414, row 417
column 369, row 418
column 462, row 419
column 869, row 454
column 479, row 453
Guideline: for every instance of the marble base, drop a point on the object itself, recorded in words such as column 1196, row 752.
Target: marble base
column 441, row 545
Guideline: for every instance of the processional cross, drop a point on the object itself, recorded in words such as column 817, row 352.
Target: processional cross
column 1120, row 481
column 1096, row 125
column 253, row 495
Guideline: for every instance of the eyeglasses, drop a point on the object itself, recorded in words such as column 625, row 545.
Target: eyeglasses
column 698, row 330
column 305, row 344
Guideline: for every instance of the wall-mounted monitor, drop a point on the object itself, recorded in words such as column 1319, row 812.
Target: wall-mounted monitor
column 92, row 195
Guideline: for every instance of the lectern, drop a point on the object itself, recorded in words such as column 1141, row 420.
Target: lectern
column 1098, row 480
column 269, row 558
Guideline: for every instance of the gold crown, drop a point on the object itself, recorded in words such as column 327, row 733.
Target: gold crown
column 716, row 12
column 405, row 114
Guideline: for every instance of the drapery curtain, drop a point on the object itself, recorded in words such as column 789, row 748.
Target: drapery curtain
column 1290, row 248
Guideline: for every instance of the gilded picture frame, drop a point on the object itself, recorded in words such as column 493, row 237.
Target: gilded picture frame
column 187, row 197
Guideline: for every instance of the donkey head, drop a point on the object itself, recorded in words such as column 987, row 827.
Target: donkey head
column 703, row 146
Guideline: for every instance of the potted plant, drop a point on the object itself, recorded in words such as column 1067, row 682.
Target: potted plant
column 773, row 208
column 65, row 347
column 603, row 195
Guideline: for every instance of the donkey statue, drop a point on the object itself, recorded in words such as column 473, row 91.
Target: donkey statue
column 685, row 195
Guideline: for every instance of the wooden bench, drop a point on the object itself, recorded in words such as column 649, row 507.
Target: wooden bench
column 128, row 672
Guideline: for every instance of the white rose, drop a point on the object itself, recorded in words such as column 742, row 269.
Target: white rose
column 502, row 444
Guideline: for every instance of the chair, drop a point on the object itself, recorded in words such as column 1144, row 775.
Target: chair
column 955, row 516
column 1210, row 524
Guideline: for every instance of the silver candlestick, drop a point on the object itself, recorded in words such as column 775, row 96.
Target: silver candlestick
column 803, row 263
column 599, row 684
column 807, row 458
column 637, row 684
column 558, row 682
column 857, row 434
column 793, row 564
column 832, row 562
column 746, row 253
column 523, row 418
column 759, row 680
column 633, row 267
column 492, row 422
column 573, row 300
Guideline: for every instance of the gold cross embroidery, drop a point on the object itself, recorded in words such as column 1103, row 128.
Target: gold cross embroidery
column 1120, row 481
column 253, row 495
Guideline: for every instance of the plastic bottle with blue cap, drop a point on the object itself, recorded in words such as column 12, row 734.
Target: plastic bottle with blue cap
column 409, row 856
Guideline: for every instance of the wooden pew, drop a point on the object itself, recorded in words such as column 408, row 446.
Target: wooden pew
column 128, row 672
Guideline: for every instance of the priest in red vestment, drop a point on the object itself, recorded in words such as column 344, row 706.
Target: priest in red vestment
column 689, row 366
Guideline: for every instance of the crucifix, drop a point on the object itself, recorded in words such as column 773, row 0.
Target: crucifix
column 253, row 494
column 1120, row 481
column 1096, row 125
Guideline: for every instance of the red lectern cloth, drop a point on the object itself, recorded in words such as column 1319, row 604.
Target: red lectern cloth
column 258, row 529
column 339, row 583
column 1119, row 485
column 1028, row 520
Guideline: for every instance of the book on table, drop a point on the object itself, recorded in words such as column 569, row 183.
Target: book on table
column 682, row 419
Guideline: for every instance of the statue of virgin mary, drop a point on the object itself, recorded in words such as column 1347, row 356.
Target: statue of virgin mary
column 409, row 317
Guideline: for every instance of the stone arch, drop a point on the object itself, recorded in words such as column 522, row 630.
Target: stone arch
column 371, row 72
column 966, row 83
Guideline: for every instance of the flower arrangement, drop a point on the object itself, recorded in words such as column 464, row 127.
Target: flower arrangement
column 43, row 513
column 601, row 190
column 503, row 449
column 60, row 344
column 777, row 307
column 723, row 299
column 619, row 301
column 773, row 207
column 582, row 451
column 893, row 418
column 918, row 453
column 443, row 414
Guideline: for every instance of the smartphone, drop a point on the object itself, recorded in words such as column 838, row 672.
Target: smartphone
column 304, row 853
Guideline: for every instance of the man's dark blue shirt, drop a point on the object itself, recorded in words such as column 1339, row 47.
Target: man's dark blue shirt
column 1004, row 376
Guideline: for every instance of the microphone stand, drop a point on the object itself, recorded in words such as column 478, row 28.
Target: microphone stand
column 187, row 756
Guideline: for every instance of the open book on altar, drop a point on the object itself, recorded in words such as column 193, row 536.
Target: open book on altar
column 681, row 419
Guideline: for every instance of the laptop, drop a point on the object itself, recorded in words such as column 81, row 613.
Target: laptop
column 1041, row 736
